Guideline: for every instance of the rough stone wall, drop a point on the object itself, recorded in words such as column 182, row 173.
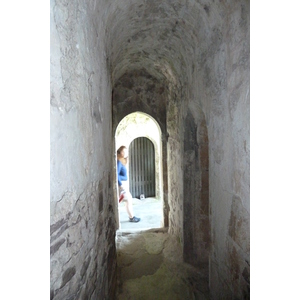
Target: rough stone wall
column 140, row 91
column 216, row 82
column 223, row 87
column 196, row 227
column 174, row 164
column 201, row 50
column 82, row 218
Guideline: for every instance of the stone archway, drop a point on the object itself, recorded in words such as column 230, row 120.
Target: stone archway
column 139, row 124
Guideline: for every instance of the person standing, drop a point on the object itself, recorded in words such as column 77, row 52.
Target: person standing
column 124, row 193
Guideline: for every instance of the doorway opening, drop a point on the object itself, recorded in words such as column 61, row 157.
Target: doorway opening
column 141, row 135
column 142, row 166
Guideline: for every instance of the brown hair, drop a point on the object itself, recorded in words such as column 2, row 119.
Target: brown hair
column 121, row 149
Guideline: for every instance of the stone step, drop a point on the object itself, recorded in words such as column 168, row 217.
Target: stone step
column 150, row 266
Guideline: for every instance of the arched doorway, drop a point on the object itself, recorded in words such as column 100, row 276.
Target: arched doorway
column 142, row 168
column 141, row 134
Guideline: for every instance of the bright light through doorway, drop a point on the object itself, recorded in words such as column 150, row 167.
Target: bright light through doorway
column 132, row 126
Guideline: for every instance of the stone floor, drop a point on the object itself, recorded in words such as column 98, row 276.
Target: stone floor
column 150, row 211
column 150, row 262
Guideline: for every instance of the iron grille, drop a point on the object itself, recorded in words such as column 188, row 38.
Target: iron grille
column 142, row 168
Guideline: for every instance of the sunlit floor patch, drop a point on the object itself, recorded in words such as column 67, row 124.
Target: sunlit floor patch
column 149, row 210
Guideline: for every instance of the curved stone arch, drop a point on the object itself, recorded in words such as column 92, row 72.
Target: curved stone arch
column 139, row 124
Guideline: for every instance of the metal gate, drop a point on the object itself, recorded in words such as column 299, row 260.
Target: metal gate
column 142, row 168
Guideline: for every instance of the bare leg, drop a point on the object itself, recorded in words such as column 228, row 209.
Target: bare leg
column 128, row 206
column 128, row 201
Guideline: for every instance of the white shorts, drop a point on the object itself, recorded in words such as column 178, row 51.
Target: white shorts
column 127, row 194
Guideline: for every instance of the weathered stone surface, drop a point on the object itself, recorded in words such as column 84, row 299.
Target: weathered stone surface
column 159, row 274
column 196, row 226
column 161, row 285
column 85, row 267
column 144, row 265
column 56, row 246
column 80, row 167
column 154, row 243
column 67, row 275
column 140, row 91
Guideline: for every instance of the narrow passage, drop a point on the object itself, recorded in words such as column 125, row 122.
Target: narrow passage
column 150, row 267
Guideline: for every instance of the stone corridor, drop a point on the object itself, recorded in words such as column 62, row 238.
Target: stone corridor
column 184, row 65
